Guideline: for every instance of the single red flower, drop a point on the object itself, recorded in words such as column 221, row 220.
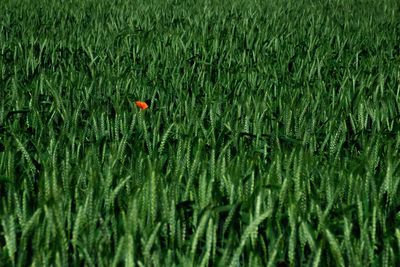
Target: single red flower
column 142, row 105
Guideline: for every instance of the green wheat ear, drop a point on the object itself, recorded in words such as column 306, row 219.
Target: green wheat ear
column 150, row 242
column 10, row 236
column 209, row 239
column 164, row 139
column 250, row 229
column 334, row 247
column 199, row 232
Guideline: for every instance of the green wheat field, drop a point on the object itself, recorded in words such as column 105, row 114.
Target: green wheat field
column 272, row 138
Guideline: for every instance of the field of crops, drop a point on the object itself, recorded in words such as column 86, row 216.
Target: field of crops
column 272, row 138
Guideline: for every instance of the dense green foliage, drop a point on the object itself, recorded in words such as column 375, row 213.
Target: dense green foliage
column 274, row 138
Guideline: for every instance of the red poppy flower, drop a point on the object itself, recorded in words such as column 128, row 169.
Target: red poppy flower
column 142, row 105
